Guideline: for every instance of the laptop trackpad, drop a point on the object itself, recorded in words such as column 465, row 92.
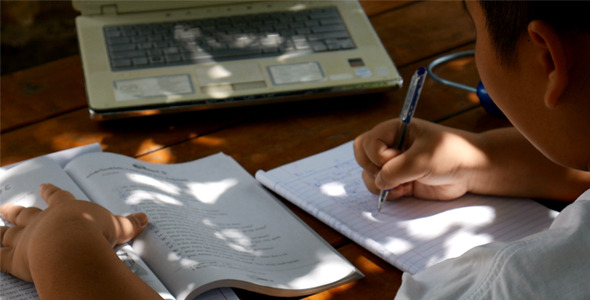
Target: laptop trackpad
column 235, row 76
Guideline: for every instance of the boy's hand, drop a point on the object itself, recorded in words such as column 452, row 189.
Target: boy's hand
column 64, row 215
column 435, row 163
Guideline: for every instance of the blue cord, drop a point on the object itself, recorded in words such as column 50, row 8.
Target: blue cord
column 445, row 59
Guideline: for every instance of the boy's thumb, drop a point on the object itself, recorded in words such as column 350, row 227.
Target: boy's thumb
column 131, row 226
column 139, row 219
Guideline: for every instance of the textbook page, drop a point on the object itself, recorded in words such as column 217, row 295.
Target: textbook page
column 20, row 185
column 409, row 233
column 212, row 225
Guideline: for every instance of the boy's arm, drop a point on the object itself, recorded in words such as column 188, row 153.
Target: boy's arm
column 67, row 250
column 516, row 168
column 443, row 163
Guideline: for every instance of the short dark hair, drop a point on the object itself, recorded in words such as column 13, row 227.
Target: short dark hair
column 507, row 21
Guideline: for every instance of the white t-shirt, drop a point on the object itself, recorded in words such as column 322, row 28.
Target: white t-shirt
column 553, row 264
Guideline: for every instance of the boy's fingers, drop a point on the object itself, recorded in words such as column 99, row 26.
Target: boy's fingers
column 394, row 193
column 10, row 236
column 369, row 180
column 391, row 176
column 9, row 211
column 6, row 259
column 53, row 194
column 131, row 226
column 7, row 265
column 362, row 157
column 398, row 192
column 3, row 230
column 371, row 156
column 18, row 215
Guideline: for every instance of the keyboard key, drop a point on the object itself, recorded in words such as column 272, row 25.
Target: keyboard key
column 127, row 54
column 347, row 44
column 118, row 40
column 328, row 28
column 154, row 52
column 235, row 52
column 140, row 61
column 301, row 45
column 196, row 56
column 122, row 47
column 328, row 35
column 121, row 63
column 144, row 46
column 171, row 50
column 331, row 21
column 318, row 46
column 155, row 60
column 113, row 33
column 173, row 58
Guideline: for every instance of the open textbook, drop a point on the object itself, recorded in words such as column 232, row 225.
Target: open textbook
column 409, row 233
column 211, row 225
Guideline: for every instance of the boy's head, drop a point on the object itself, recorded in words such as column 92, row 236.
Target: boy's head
column 534, row 61
column 507, row 21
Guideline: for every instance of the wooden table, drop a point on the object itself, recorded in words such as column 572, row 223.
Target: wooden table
column 44, row 110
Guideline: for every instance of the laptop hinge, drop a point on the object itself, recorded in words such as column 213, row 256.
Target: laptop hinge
column 109, row 9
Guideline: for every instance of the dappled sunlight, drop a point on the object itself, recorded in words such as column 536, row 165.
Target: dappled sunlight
column 21, row 182
column 459, row 243
column 329, row 266
column 147, row 145
column 183, row 262
column 161, row 156
column 205, row 47
column 25, row 199
column 209, row 141
column 298, row 6
column 399, row 244
column 460, row 64
column 238, row 241
column 334, row 189
column 218, row 72
column 409, row 232
column 470, row 218
column 210, row 192
column 213, row 234
column 219, row 91
column 161, row 185
column 139, row 196
column 371, row 215
column 473, row 98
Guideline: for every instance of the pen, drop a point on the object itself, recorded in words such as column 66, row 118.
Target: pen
column 406, row 115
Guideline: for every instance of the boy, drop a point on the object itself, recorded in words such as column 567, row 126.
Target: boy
column 540, row 82
column 533, row 58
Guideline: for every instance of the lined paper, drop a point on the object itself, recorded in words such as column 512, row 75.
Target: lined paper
column 409, row 233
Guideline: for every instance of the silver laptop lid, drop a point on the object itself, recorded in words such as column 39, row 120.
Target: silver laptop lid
column 86, row 7
column 217, row 82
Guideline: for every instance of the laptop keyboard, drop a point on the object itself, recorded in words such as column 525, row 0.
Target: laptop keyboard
column 228, row 38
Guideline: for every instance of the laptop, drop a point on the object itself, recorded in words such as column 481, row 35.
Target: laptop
column 150, row 57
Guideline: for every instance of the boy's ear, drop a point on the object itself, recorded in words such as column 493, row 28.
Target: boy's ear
column 554, row 57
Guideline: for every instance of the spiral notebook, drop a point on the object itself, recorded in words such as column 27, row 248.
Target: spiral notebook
column 409, row 233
